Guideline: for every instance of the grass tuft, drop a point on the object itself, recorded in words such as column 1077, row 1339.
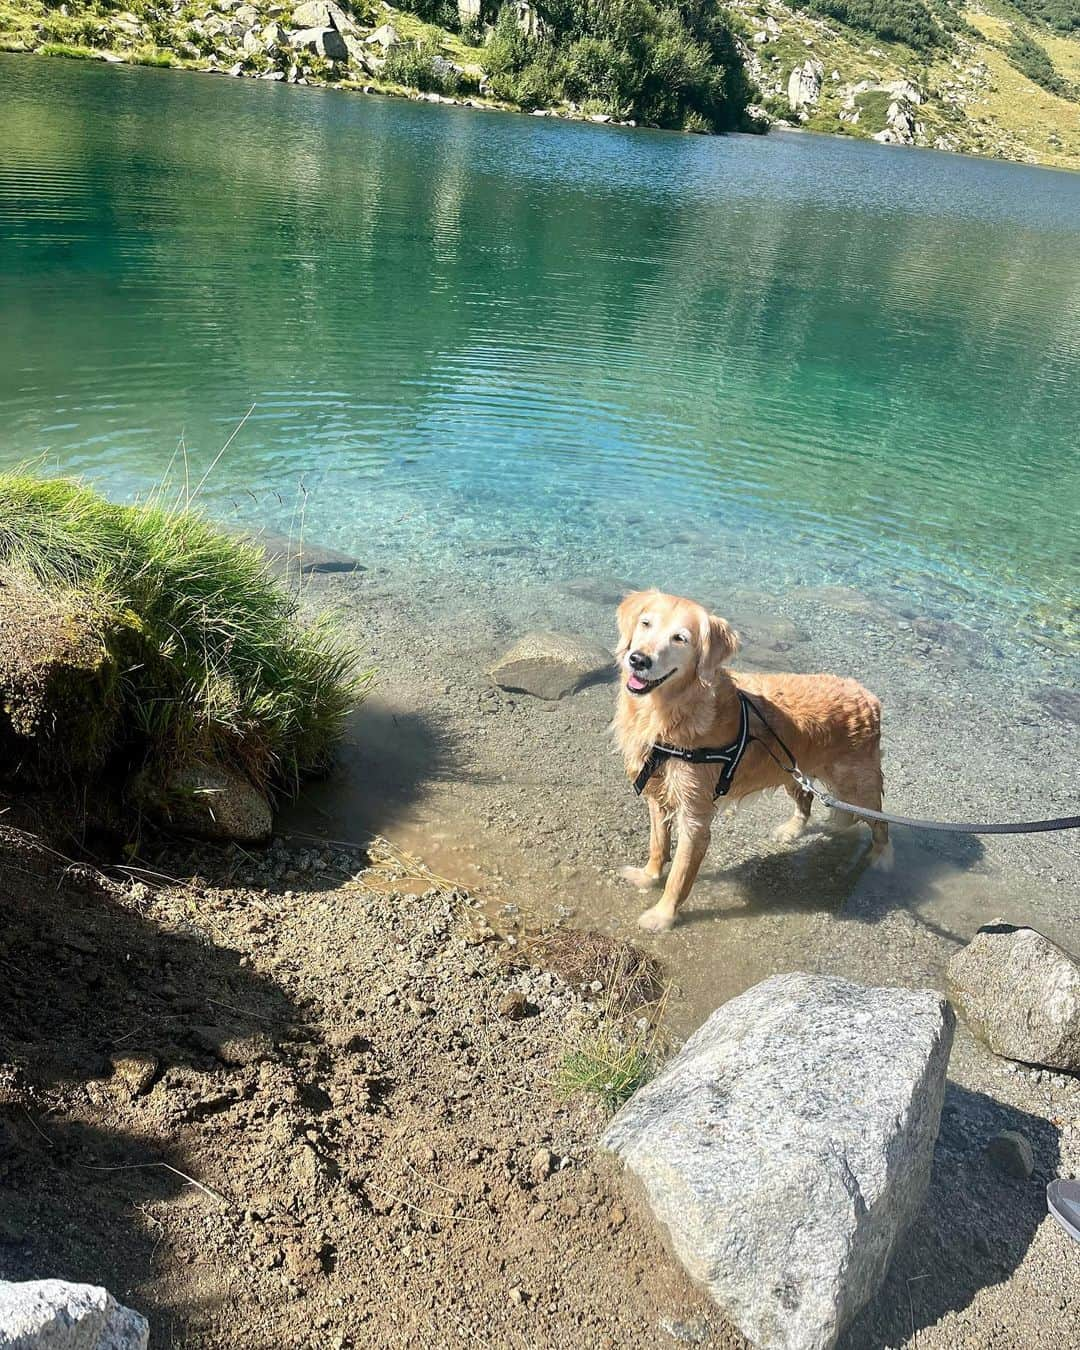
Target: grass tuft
column 606, row 1064
column 216, row 665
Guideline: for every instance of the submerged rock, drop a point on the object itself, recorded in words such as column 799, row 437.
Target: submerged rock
column 57, row 1315
column 551, row 665
column 788, row 1145
column 1020, row 993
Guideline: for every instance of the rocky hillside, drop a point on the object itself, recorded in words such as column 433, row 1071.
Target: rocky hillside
column 987, row 80
column 999, row 79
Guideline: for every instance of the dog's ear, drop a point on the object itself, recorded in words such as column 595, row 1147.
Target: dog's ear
column 628, row 613
column 717, row 642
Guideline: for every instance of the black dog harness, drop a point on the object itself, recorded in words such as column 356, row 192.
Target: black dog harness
column 728, row 756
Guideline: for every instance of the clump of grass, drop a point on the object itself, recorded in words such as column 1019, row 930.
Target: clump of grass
column 214, row 662
column 618, row 1047
column 606, row 1064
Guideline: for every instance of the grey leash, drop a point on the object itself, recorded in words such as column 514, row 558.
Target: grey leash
column 865, row 813
column 952, row 826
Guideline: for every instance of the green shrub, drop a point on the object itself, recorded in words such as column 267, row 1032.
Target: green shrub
column 908, row 21
column 606, row 1064
column 223, row 669
column 668, row 64
column 1061, row 15
column 1034, row 61
column 413, row 64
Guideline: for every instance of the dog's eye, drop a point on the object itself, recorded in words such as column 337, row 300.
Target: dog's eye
column 646, row 623
column 679, row 637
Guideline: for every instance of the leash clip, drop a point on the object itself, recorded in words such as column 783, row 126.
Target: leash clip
column 802, row 780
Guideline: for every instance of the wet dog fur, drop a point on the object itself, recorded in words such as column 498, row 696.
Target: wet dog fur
column 675, row 688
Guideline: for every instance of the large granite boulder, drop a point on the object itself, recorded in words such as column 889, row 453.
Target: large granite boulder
column 56, row 1315
column 551, row 665
column 1020, row 993
column 788, row 1145
column 322, row 14
column 325, row 42
column 804, row 85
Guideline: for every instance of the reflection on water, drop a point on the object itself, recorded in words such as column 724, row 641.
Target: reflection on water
column 803, row 359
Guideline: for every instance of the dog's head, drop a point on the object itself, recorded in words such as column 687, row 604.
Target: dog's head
column 666, row 640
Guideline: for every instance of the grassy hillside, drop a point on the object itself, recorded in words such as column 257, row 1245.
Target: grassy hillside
column 992, row 80
column 1000, row 78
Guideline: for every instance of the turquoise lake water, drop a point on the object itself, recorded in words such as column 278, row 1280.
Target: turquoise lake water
column 792, row 358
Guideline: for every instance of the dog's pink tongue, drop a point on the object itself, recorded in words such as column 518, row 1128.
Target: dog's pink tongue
column 636, row 682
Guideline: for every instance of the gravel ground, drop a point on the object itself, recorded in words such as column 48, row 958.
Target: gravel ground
column 524, row 801
column 384, row 1158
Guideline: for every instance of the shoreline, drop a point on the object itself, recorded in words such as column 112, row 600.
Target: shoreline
column 479, row 104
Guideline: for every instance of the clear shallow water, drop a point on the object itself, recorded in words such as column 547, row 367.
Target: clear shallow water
column 475, row 337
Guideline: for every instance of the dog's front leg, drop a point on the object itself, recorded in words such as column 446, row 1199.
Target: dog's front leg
column 695, row 831
column 659, row 849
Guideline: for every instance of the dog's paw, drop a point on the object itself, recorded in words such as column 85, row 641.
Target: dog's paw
column 656, row 920
column 882, row 858
column 639, row 877
column 790, row 830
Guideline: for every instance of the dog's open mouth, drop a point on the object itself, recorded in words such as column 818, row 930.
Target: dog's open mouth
column 636, row 684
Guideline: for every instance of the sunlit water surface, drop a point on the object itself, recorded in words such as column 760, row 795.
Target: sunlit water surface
column 833, row 362
column 510, row 363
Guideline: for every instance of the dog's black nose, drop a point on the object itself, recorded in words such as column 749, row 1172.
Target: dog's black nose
column 639, row 661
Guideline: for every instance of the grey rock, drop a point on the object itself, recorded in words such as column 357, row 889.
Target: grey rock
column 209, row 802
column 551, row 665
column 322, row 14
column 235, row 1048
column 1011, row 1152
column 57, row 1315
column 385, row 36
column 804, row 85
column 1020, row 993
column 788, row 1145
column 325, row 42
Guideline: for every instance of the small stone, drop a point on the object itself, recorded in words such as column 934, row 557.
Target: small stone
column 542, row 1165
column 518, row 1295
column 234, row 1048
column 515, row 1006
column 1011, row 1153
column 616, row 1216
column 136, row 1070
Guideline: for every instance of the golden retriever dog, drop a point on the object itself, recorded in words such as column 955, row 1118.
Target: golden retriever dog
column 676, row 690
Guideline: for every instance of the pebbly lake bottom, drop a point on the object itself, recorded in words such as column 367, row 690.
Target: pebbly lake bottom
column 524, row 802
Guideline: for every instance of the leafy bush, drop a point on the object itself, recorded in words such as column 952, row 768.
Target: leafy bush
column 220, row 668
column 908, row 21
column 416, row 65
column 673, row 64
column 1061, row 15
column 1034, row 61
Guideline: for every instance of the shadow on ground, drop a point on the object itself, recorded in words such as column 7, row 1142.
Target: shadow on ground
column 834, row 874
column 85, row 1153
column 386, row 763
column 963, row 1241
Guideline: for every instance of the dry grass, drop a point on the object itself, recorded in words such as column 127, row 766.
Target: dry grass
column 626, row 976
